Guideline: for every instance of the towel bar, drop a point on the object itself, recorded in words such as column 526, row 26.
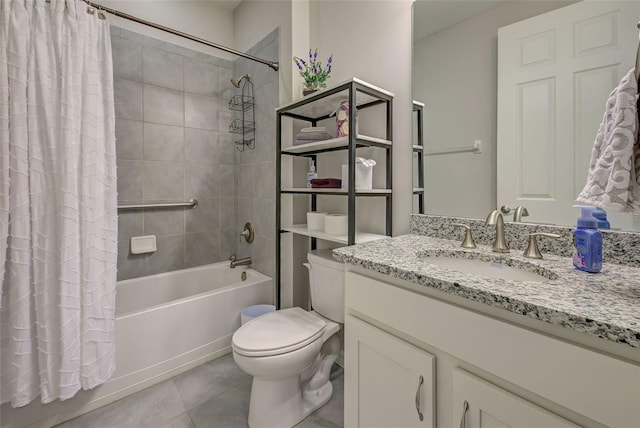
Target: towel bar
column 192, row 203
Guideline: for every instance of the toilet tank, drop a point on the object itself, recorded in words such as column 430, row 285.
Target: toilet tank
column 326, row 280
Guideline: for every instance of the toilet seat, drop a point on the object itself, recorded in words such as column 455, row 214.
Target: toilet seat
column 278, row 332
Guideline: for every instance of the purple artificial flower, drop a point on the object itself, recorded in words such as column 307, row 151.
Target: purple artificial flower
column 312, row 70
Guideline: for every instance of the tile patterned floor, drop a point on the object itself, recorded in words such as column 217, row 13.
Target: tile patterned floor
column 215, row 394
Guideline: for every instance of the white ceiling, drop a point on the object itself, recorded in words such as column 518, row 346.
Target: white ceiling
column 431, row 16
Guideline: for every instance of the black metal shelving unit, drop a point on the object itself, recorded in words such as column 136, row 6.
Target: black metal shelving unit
column 418, row 111
column 313, row 109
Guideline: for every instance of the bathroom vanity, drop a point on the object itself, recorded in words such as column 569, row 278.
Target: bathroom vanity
column 427, row 345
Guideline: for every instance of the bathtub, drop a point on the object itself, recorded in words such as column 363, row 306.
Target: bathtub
column 165, row 325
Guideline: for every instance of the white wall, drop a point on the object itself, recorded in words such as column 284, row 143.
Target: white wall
column 371, row 40
column 455, row 75
column 254, row 19
column 204, row 19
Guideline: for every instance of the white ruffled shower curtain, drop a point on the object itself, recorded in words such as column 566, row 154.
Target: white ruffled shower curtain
column 58, row 208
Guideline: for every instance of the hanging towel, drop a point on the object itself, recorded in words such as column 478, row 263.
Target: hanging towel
column 612, row 183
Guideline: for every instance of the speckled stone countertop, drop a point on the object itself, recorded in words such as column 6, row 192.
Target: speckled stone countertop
column 606, row 305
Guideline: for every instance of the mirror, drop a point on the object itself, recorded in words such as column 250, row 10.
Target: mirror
column 455, row 63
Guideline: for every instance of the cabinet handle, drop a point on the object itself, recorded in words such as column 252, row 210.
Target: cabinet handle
column 420, row 382
column 465, row 408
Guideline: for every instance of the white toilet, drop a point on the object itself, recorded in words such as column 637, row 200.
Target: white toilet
column 290, row 352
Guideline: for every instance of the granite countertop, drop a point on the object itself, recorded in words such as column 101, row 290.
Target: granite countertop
column 606, row 305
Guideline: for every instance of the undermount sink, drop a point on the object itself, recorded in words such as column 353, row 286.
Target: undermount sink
column 475, row 264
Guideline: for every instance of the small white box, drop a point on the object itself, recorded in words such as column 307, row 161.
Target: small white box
column 315, row 220
column 143, row 244
column 364, row 177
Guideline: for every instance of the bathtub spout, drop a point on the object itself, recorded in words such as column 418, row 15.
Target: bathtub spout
column 240, row 262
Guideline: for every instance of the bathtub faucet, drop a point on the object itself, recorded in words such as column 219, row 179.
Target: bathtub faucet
column 239, row 262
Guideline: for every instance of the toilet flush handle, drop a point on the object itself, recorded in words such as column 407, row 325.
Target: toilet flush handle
column 307, row 265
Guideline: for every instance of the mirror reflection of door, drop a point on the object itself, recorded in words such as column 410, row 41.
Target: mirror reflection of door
column 555, row 72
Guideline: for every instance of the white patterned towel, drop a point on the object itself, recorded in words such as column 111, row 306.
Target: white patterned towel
column 612, row 183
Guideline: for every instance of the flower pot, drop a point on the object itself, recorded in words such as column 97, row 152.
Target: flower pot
column 309, row 90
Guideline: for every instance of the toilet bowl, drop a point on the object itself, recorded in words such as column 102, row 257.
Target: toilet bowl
column 290, row 352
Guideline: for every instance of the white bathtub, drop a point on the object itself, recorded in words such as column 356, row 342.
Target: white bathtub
column 165, row 325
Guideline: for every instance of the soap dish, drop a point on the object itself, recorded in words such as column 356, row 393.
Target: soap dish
column 143, row 244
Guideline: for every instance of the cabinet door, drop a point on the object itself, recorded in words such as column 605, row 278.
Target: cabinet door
column 477, row 403
column 388, row 382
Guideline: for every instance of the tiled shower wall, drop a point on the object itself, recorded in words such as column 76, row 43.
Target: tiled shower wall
column 255, row 169
column 172, row 145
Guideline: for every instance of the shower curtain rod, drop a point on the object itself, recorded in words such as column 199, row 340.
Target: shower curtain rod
column 274, row 65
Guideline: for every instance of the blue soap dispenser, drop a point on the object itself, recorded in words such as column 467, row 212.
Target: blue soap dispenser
column 587, row 240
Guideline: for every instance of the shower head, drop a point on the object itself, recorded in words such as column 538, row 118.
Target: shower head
column 236, row 82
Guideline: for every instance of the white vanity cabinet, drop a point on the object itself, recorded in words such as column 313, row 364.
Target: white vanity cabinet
column 395, row 380
column 510, row 375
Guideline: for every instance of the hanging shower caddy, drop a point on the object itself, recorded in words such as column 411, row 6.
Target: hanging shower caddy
column 245, row 125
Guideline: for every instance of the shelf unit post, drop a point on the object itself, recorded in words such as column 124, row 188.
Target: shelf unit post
column 418, row 109
column 389, row 165
column 278, row 209
column 351, row 202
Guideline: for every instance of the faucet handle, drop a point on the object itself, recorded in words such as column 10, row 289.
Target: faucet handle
column 247, row 233
column 532, row 250
column 468, row 239
column 518, row 212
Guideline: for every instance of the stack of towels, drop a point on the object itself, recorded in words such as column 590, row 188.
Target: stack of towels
column 309, row 135
column 613, row 182
column 326, row 183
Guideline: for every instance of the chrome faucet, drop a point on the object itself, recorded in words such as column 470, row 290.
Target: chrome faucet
column 239, row 262
column 495, row 218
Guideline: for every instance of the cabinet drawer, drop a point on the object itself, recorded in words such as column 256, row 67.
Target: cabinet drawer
column 590, row 383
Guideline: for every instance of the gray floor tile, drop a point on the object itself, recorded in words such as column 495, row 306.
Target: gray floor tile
column 228, row 410
column 219, row 394
column 182, row 421
column 314, row 421
column 204, row 382
column 149, row 408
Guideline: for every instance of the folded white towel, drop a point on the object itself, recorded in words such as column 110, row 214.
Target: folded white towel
column 612, row 183
column 313, row 136
column 314, row 129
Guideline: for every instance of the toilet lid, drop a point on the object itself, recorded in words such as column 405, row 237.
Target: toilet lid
column 278, row 332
